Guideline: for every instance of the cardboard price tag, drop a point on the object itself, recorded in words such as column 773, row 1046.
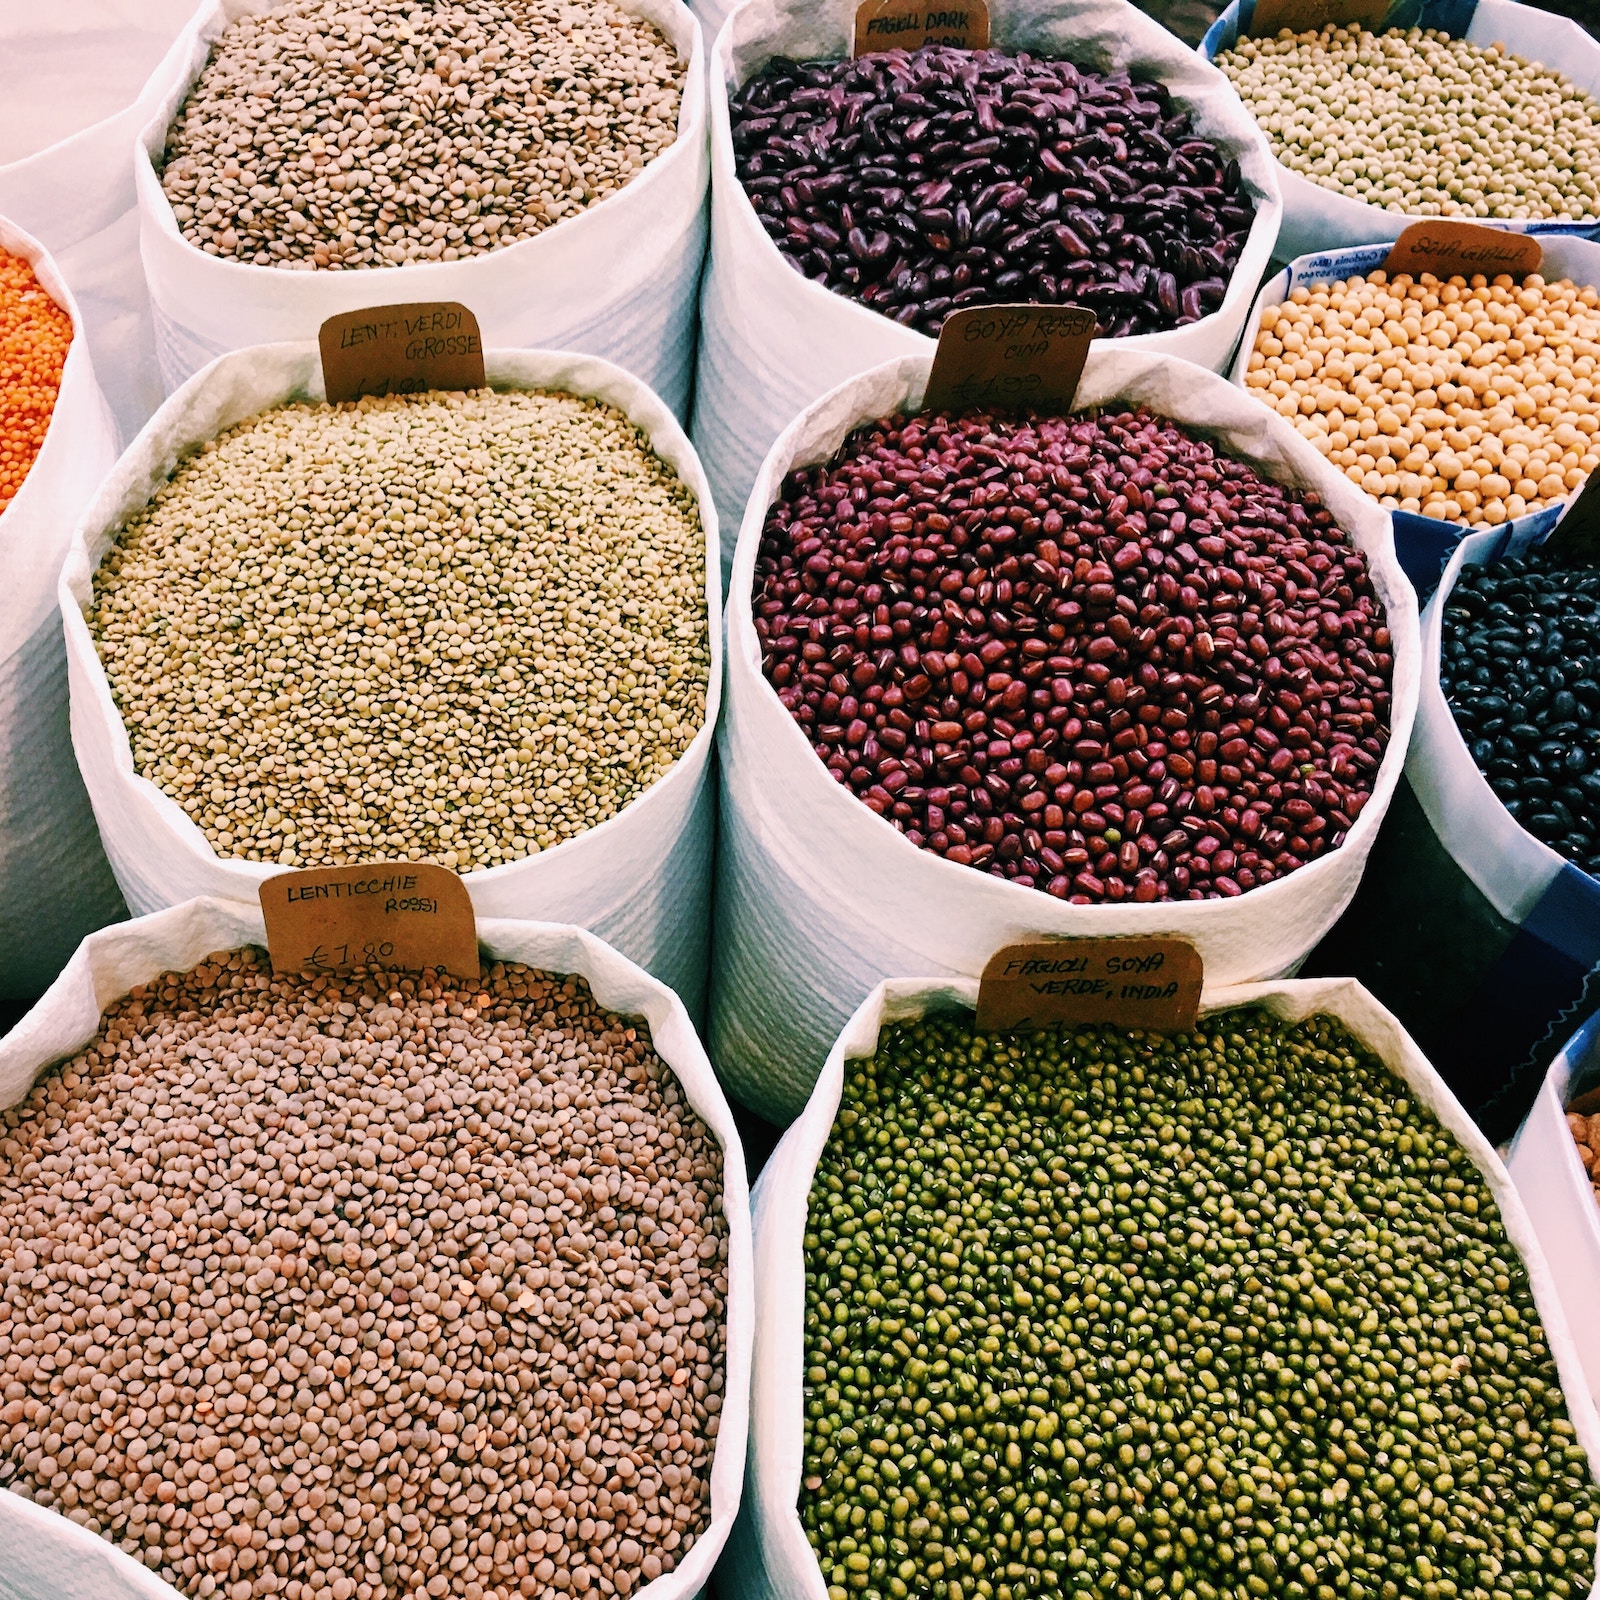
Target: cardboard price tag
column 911, row 24
column 402, row 914
column 1134, row 983
column 405, row 349
column 1312, row 16
column 1010, row 356
column 1449, row 249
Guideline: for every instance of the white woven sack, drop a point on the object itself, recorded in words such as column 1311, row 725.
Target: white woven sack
column 43, row 1555
column 818, row 897
column 1315, row 218
column 641, row 880
column 1544, row 1165
column 1511, row 868
column 711, row 14
column 1565, row 256
column 82, row 80
column 769, row 1556
column 50, row 855
column 617, row 280
column 772, row 341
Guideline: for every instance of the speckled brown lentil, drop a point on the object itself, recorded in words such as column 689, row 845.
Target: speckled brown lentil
column 371, row 133
column 365, row 1287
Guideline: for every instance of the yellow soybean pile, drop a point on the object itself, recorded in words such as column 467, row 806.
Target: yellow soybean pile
column 1465, row 401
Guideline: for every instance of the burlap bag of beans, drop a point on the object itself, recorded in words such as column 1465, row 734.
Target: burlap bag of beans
column 1423, row 544
column 1315, row 218
column 769, row 1556
column 83, row 80
column 46, row 1556
column 617, row 280
column 772, row 341
column 640, row 879
column 55, row 885
column 818, row 898
column 1481, row 937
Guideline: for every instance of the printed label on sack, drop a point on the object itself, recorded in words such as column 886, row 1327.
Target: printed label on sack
column 1451, row 249
column 910, row 24
column 1576, row 537
column 1311, row 16
column 1134, row 983
column 401, row 350
column 1010, row 357
column 402, row 914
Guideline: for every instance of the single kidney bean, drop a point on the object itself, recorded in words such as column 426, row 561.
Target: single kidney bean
column 1520, row 667
column 1091, row 654
column 917, row 183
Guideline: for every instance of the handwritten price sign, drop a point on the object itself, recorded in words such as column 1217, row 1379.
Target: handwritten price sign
column 404, row 914
column 1010, row 357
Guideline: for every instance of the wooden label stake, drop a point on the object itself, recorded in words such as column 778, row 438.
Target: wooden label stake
column 1134, row 983
column 1010, row 357
column 911, row 24
column 1312, row 16
column 402, row 914
column 1450, row 249
column 405, row 349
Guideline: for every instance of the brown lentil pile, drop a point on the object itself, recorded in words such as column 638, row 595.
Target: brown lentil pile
column 370, row 133
column 365, row 1287
column 461, row 627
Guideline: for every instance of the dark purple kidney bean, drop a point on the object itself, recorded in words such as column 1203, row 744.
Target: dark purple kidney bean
column 1005, row 169
column 1090, row 654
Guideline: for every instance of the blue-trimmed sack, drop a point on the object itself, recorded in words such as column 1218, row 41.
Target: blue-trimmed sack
column 1315, row 218
column 1424, row 544
column 1478, row 936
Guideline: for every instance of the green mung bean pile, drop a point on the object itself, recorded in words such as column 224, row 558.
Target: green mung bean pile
column 1224, row 1313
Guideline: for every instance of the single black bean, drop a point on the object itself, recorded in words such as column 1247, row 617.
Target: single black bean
column 1007, row 172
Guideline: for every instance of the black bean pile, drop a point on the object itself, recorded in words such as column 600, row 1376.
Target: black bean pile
column 1520, row 667
column 920, row 183
column 1093, row 655
column 1217, row 1314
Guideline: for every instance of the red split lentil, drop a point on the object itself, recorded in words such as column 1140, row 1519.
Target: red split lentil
column 35, row 334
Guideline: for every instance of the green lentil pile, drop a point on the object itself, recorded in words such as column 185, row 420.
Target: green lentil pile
column 455, row 627
column 1415, row 121
column 1217, row 1314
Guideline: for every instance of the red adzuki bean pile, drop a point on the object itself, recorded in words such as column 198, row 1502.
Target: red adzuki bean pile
column 1092, row 654
column 920, row 183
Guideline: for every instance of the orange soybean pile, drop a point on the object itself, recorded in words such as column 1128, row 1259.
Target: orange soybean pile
column 34, row 335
